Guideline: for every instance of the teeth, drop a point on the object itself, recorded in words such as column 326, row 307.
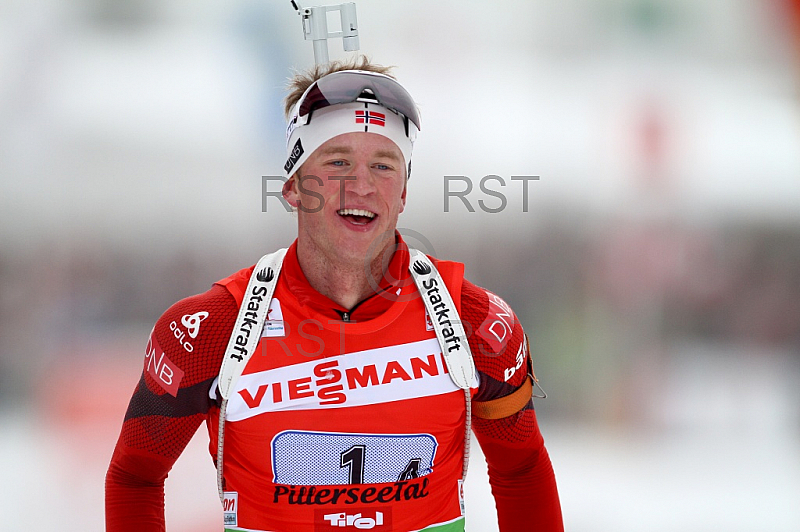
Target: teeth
column 356, row 212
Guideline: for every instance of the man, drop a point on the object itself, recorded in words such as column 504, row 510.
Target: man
column 352, row 411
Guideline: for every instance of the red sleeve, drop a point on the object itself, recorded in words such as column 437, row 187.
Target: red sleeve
column 520, row 473
column 182, row 358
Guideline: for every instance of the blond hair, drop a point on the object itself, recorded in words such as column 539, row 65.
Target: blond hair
column 301, row 81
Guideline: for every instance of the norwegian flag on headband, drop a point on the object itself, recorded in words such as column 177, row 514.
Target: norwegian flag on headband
column 370, row 117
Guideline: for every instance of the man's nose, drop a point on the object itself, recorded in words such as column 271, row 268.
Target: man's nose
column 362, row 181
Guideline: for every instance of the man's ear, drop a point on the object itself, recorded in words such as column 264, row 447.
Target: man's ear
column 289, row 191
column 403, row 197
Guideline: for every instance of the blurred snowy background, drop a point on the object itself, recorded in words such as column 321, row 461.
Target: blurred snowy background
column 655, row 263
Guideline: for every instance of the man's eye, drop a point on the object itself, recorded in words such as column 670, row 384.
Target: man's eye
column 338, row 163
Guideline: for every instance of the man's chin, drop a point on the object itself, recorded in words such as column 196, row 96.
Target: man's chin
column 365, row 248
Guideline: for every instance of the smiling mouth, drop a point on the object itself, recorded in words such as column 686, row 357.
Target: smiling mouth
column 357, row 216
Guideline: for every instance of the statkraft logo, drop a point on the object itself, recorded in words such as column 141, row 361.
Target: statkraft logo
column 374, row 376
column 253, row 302
column 440, row 309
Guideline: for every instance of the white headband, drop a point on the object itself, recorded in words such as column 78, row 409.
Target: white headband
column 329, row 122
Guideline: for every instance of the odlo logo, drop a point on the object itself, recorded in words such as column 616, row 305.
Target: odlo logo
column 192, row 323
column 357, row 521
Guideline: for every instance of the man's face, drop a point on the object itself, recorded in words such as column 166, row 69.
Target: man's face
column 349, row 193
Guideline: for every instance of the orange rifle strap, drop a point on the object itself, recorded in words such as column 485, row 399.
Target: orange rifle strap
column 504, row 406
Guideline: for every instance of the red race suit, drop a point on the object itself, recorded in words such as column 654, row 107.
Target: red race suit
column 343, row 419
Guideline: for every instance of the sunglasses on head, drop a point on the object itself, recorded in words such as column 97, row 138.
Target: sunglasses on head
column 349, row 86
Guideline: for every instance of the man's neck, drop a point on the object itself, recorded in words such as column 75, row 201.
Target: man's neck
column 347, row 283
